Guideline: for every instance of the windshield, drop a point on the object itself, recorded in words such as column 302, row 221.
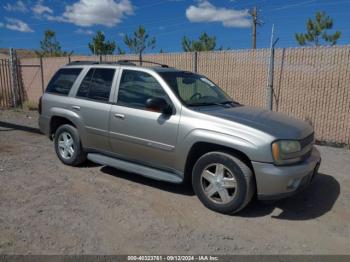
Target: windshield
column 195, row 90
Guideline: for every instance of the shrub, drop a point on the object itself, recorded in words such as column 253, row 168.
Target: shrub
column 30, row 106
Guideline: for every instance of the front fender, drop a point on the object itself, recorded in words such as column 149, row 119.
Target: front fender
column 254, row 151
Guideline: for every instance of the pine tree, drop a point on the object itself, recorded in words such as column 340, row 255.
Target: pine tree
column 317, row 31
column 204, row 43
column 139, row 42
column 99, row 45
column 49, row 45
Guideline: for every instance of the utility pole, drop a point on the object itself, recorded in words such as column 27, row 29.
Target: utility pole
column 254, row 15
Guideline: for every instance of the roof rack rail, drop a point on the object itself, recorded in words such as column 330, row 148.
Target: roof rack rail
column 119, row 62
column 84, row 63
column 127, row 61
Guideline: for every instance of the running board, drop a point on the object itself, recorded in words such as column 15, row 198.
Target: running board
column 135, row 168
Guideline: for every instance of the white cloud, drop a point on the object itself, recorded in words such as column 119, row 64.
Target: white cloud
column 17, row 6
column 206, row 12
column 17, row 25
column 90, row 12
column 40, row 9
column 84, row 31
column 2, row 25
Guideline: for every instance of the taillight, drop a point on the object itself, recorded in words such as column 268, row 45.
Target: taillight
column 40, row 105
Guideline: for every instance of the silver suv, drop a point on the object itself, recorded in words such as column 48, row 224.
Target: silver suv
column 173, row 125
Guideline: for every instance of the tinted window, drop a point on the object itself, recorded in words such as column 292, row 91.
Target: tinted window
column 63, row 81
column 83, row 90
column 136, row 87
column 97, row 84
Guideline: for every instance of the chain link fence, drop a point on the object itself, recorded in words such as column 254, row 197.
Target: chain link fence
column 312, row 84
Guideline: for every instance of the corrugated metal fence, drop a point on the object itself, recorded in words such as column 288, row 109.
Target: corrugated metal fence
column 6, row 92
column 12, row 92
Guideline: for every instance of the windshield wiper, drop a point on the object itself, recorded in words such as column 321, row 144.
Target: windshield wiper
column 209, row 104
column 232, row 103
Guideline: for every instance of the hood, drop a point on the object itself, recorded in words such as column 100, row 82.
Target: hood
column 276, row 124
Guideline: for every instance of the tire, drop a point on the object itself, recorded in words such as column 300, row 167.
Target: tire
column 230, row 178
column 70, row 153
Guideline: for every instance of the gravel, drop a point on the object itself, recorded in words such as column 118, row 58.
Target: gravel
column 49, row 208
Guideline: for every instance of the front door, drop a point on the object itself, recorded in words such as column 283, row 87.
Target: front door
column 137, row 133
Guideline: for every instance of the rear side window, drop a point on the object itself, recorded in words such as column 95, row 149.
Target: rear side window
column 83, row 90
column 63, row 80
column 97, row 84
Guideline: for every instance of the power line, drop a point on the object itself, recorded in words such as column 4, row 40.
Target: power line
column 189, row 28
column 303, row 15
column 306, row 3
column 160, row 22
column 285, row 7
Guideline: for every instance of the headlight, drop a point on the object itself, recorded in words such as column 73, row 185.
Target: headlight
column 286, row 151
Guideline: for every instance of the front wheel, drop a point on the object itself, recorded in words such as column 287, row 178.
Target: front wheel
column 68, row 146
column 223, row 182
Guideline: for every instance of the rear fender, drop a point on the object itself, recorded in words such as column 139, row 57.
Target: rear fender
column 71, row 116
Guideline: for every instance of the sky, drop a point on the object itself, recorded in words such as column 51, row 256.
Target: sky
column 23, row 22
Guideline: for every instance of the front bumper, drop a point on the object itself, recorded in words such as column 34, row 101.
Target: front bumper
column 275, row 182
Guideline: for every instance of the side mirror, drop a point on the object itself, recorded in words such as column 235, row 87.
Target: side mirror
column 159, row 104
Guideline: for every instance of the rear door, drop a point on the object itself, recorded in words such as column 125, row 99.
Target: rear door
column 137, row 133
column 92, row 104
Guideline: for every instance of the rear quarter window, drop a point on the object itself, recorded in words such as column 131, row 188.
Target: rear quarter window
column 62, row 82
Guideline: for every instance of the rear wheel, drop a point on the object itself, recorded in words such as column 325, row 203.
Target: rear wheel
column 68, row 146
column 222, row 182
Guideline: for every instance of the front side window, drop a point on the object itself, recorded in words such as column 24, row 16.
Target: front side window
column 137, row 87
column 195, row 90
column 62, row 82
column 97, row 84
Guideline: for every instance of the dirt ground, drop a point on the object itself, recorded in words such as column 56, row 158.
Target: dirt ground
column 49, row 208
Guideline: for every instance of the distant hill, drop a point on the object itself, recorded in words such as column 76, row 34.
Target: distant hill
column 22, row 53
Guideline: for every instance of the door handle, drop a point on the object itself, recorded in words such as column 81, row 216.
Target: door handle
column 76, row 108
column 120, row 116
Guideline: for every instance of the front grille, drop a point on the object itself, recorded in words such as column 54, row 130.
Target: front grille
column 306, row 155
column 307, row 140
column 306, row 145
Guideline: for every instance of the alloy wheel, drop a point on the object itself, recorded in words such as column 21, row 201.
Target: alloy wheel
column 66, row 145
column 218, row 183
